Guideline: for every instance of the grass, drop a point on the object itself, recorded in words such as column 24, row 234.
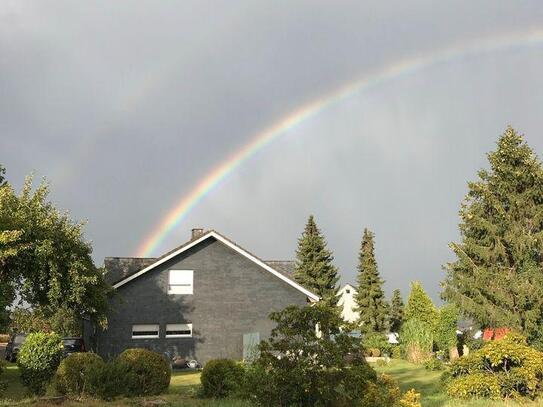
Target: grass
column 410, row 376
column 184, row 386
column 182, row 392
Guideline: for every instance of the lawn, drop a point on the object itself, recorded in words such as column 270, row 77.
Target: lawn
column 184, row 385
column 410, row 376
column 182, row 392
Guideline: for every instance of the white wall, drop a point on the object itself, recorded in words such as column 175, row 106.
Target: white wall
column 346, row 301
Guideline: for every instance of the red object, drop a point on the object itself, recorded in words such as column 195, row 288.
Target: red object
column 495, row 334
column 488, row 334
column 499, row 333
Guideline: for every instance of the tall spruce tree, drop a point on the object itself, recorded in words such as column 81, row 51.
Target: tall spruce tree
column 370, row 298
column 497, row 277
column 396, row 311
column 314, row 269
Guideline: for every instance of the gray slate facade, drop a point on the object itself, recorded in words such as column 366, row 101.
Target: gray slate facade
column 232, row 297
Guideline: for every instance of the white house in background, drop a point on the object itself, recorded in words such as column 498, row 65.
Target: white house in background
column 346, row 301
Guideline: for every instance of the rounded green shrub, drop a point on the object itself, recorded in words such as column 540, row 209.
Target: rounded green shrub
column 221, row 378
column 72, row 377
column 150, row 370
column 502, row 368
column 109, row 380
column 38, row 360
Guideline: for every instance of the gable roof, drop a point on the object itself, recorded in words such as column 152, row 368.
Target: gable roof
column 213, row 234
column 118, row 268
column 345, row 287
column 285, row 267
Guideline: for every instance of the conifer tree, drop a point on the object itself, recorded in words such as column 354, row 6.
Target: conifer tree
column 314, row 269
column 497, row 277
column 420, row 306
column 396, row 311
column 370, row 298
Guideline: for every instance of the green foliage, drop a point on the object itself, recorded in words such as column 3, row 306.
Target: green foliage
column 382, row 393
column 434, row 364
column 63, row 321
column 416, row 339
column 298, row 366
column 152, row 371
column 445, row 327
column 2, row 175
column 370, row 297
column 44, row 257
column 504, row 368
column 135, row 372
column 396, row 352
column 109, row 380
column 377, row 341
column 410, row 399
column 221, row 378
column 396, row 311
column 38, row 360
column 314, row 269
column 497, row 278
column 2, row 384
column 420, row 306
column 72, row 376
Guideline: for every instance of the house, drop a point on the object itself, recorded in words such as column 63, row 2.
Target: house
column 208, row 298
column 347, row 303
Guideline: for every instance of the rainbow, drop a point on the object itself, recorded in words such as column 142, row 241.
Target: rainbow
column 396, row 70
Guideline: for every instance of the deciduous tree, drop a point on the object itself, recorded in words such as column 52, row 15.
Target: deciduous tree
column 44, row 257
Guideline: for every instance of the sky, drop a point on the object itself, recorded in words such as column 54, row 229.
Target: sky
column 124, row 107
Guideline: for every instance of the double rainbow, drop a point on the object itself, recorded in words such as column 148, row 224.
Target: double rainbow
column 396, row 70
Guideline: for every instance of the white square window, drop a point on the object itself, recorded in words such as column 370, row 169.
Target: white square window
column 145, row 331
column 178, row 330
column 180, row 282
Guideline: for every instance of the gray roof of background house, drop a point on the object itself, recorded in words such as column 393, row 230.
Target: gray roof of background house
column 118, row 268
column 285, row 267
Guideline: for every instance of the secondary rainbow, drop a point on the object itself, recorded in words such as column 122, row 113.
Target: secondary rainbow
column 404, row 67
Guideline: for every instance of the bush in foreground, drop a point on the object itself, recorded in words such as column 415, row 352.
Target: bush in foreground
column 221, row 378
column 410, row 399
column 38, row 360
column 150, row 370
column 111, row 380
column 73, row 374
column 507, row 368
column 300, row 366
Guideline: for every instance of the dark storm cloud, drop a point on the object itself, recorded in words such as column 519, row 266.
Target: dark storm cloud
column 125, row 105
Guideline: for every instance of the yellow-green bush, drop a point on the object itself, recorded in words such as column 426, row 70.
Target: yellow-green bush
column 410, row 399
column 382, row 393
column 38, row 360
column 504, row 368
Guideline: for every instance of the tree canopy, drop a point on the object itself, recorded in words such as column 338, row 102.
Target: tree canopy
column 370, row 300
column 497, row 277
column 44, row 256
column 314, row 264
column 396, row 311
column 420, row 306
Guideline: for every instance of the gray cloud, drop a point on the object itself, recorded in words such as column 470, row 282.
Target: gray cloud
column 124, row 106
